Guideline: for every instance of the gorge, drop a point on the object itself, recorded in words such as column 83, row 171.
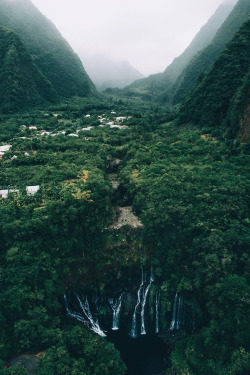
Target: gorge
column 131, row 255
column 133, row 320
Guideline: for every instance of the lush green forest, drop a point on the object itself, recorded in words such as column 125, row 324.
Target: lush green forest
column 124, row 223
column 203, row 61
column 209, row 103
column 22, row 85
column 190, row 189
column 51, row 54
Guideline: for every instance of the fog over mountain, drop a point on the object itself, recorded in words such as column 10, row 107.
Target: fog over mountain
column 147, row 34
column 107, row 73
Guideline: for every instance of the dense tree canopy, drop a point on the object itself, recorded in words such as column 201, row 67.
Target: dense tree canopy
column 191, row 192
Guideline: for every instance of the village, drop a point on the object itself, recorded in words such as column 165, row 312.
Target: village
column 90, row 122
column 112, row 121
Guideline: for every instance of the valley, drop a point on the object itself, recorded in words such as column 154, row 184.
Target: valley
column 124, row 214
column 170, row 190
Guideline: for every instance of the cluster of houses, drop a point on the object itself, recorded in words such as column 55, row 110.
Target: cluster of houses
column 30, row 190
column 115, row 122
column 112, row 121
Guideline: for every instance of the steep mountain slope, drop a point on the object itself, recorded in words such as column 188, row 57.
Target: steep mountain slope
column 49, row 51
column 203, row 61
column 223, row 94
column 201, row 40
column 21, row 83
column 160, row 84
column 238, row 118
column 107, row 73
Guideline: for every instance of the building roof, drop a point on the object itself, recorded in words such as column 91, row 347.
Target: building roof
column 31, row 190
column 5, row 148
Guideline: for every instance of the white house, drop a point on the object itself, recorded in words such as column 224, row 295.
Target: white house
column 121, row 118
column 5, row 148
column 4, row 193
column 44, row 132
column 31, row 190
column 88, row 128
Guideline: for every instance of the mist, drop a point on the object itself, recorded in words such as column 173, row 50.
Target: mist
column 147, row 34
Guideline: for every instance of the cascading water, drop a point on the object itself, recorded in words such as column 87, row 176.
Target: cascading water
column 157, row 303
column 116, row 307
column 134, row 326
column 144, row 300
column 74, row 314
column 85, row 316
column 177, row 317
column 87, row 309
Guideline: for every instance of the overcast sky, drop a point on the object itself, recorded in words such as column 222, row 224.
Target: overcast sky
column 147, row 33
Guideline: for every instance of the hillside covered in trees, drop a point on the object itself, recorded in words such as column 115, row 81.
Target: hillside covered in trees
column 189, row 189
column 124, row 223
column 22, row 84
column 49, row 52
column 212, row 101
column 204, row 60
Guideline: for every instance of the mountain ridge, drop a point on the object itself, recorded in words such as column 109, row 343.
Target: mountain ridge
column 204, row 60
column 21, row 83
column 49, row 50
column 223, row 95
column 158, row 86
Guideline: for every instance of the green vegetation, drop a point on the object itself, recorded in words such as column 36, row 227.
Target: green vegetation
column 191, row 191
column 54, row 69
column 203, row 61
column 197, row 58
column 188, row 186
column 238, row 117
column 213, row 98
column 21, row 84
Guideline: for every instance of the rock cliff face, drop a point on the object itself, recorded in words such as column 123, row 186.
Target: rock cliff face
column 237, row 122
column 244, row 132
column 133, row 303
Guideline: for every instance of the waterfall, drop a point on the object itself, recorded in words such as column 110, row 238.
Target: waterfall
column 85, row 316
column 140, row 290
column 177, row 317
column 144, row 300
column 74, row 314
column 172, row 325
column 179, row 312
column 116, row 307
column 157, row 303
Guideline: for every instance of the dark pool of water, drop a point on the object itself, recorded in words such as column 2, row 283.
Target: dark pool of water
column 144, row 355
